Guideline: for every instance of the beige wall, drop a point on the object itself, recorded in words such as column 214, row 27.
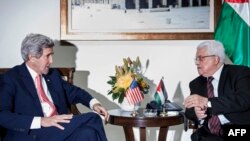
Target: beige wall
column 95, row 60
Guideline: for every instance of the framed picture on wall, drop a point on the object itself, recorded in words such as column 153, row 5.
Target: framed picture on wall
column 138, row 19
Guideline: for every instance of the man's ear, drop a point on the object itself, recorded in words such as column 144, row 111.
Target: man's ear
column 217, row 59
column 32, row 58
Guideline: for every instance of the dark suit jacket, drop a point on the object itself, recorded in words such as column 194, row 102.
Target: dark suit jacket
column 19, row 102
column 233, row 99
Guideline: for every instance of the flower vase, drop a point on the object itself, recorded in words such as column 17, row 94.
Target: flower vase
column 125, row 106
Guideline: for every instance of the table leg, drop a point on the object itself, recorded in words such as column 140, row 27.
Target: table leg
column 163, row 134
column 129, row 134
column 142, row 134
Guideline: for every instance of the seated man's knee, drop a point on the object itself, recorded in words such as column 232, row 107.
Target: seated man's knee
column 95, row 117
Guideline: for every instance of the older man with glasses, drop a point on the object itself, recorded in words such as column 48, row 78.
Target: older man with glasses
column 220, row 95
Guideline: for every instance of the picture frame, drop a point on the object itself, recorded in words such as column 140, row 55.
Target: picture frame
column 68, row 32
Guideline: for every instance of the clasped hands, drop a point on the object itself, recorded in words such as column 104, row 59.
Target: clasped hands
column 199, row 103
column 65, row 118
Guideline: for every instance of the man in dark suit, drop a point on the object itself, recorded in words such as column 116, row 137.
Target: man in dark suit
column 219, row 96
column 34, row 100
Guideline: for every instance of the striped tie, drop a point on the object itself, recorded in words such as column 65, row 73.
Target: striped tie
column 213, row 122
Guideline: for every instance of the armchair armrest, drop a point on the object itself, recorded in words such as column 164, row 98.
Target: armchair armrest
column 192, row 125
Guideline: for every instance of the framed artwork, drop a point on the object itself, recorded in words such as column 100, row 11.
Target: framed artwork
column 138, row 19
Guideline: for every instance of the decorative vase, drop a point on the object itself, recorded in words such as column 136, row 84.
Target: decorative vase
column 125, row 106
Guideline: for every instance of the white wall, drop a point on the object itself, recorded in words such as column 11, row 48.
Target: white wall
column 95, row 60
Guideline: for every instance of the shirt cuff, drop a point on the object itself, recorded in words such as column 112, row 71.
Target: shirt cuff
column 209, row 105
column 201, row 121
column 36, row 123
column 93, row 102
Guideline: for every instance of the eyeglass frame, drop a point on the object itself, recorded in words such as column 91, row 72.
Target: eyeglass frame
column 201, row 58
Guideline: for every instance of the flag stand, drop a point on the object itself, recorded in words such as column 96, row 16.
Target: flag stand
column 134, row 113
column 164, row 112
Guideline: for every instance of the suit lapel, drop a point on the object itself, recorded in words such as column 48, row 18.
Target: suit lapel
column 30, row 86
column 222, row 80
column 202, row 86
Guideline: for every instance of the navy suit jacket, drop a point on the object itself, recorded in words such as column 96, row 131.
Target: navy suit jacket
column 233, row 99
column 19, row 102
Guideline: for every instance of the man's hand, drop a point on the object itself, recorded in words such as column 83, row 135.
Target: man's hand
column 101, row 110
column 200, row 113
column 196, row 100
column 55, row 120
column 199, row 103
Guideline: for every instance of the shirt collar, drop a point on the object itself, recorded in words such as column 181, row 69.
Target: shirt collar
column 218, row 73
column 32, row 72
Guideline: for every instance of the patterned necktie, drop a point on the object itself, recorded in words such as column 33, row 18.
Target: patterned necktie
column 213, row 122
column 44, row 99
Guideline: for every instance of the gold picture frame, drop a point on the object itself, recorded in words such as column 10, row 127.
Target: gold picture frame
column 68, row 34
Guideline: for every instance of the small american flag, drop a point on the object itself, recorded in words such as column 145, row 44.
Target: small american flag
column 133, row 94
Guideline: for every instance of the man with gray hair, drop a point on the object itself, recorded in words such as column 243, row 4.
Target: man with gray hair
column 34, row 100
column 219, row 96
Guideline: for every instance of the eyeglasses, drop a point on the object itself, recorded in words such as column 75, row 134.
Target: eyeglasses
column 201, row 58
